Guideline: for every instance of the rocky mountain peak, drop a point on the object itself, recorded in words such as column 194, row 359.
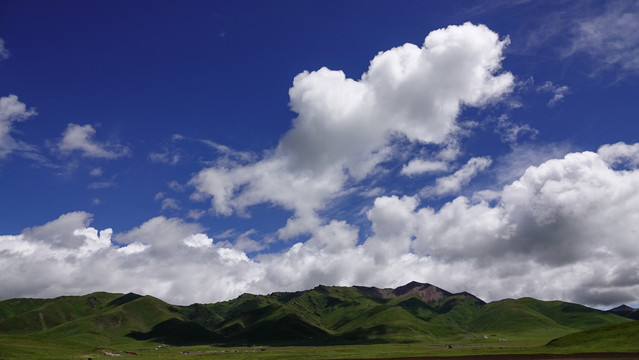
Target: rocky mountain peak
column 427, row 292
column 622, row 308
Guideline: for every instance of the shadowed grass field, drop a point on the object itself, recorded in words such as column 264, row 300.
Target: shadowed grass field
column 36, row 348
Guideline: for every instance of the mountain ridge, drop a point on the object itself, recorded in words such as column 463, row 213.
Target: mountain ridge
column 415, row 312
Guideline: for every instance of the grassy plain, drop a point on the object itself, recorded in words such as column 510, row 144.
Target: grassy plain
column 616, row 338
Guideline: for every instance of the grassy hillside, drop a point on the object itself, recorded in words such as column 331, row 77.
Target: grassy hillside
column 25, row 316
column 568, row 314
column 94, row 320
column 532, row 320
column 614, row 338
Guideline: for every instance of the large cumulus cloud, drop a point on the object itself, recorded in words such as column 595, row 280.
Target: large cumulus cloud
column 345, row 127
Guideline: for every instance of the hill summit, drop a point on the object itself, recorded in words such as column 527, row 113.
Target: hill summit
column 625, row 311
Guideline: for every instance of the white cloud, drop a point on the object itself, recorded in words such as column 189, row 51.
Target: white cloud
column 59, row 232
column 195, row 214
column 4, row 53
column 96, row 171
column 611, row 37
column 246, row 244
column 198, row 241
column 509, row 167
column 93, row 241
column 102, row 185
column 557, row 232
column 176, row 186
column 510, row 131
column 229, row 156
column 165, row 257
column 452, row 184
column 419, row 166
column 619, row 153
column 165, row 158
column 80, row 138
column 170, row 203
column 133, row 248
column 160, row 232
column 558, row 92
column 345, row 127
column 12, row 111
column 371, row 193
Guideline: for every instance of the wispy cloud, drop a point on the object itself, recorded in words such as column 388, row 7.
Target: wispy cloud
column 12, row 111
column 166, row 157
column 510, row 131
column 4, row 52
column 102, row 185
column 607, row 32
column 176, row 186
column 419, row 166
column 452, row 184
column 170, row 203
column 558, row 92
column 612, row 37
column 96, row 172
column 167, row 202
column 80, row 138
column 195, row 214
column 229, row 156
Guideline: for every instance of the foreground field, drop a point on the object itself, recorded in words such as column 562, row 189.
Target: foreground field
column 595, row 356
column 19, row 347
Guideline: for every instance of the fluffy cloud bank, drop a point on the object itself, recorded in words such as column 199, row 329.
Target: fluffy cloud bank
column 165, row 257
column 566, row 229
column 345, row 127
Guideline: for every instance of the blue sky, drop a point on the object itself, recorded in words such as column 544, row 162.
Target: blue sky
column 198, row 151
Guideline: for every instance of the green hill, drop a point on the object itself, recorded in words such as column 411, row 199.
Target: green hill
column 325, row 315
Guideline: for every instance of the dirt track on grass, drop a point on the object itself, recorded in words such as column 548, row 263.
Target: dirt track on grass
column 588, row 356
